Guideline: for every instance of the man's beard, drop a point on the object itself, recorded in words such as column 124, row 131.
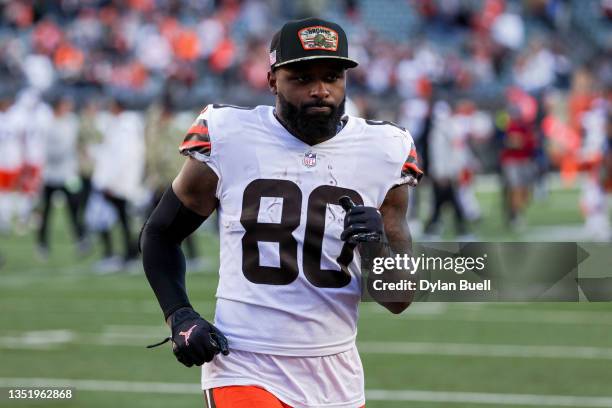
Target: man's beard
column 311, row 126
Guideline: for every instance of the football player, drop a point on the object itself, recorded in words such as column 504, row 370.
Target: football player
column 296, row 187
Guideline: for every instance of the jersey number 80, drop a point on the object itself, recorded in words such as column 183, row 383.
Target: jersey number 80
column 282, row 234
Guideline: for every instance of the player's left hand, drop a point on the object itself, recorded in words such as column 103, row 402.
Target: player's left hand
column 361, row 223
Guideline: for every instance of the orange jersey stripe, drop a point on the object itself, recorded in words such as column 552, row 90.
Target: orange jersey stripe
column 413, row 167
column 198, row 129
column 195, row 143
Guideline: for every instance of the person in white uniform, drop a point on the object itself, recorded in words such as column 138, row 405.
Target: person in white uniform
column 60, row 171
column 290, row 276
column 118, row 173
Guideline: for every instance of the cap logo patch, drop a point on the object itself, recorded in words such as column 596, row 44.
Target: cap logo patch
column 318, row 38
column 273, row 57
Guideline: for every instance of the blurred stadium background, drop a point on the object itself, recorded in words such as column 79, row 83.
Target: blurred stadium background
column 508, row 101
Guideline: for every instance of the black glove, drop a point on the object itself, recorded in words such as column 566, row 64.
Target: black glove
column 194, row 340
column 361, row 223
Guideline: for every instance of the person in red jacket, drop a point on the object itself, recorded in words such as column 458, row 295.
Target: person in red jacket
column 517, row 163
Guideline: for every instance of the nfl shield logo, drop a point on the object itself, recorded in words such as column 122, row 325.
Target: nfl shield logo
column 310, row 159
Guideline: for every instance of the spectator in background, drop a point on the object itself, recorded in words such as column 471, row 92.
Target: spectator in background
column 60, row 172
column 415, row 114
column 606, row 9
column 535, row 70
column 118, row 175
column 469, row 125
column 608, row 144
column 11, row 157
column 445, row 165
column 518, row 163
column 88, row 139
column 255, row 65
column 562, row 142
column 593, row 200
column 36, row 117
column 506, row 28
column 582, row 95
column 163, row 132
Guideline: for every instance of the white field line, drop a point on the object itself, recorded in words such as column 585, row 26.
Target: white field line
column 489, row 398
column 497, row 315
column 371, row 395
column 43, row 339
column 485, row 350
column 143, row 335
column 562, row 318
column 539, row 317
column 85, row 305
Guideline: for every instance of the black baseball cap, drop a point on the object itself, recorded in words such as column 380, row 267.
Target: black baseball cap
column 308, row 39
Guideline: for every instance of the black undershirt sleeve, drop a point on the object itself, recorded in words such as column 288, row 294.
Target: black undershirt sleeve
column 163, row 260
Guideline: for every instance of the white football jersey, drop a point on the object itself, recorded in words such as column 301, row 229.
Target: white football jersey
column 288, row 285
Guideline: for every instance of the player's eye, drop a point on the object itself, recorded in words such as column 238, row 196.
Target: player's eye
column 303, row 79
column 334, row 76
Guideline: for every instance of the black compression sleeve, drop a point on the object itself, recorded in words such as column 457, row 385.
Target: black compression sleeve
column 164, row 264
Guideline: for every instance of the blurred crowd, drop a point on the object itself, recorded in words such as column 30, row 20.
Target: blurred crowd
column 210, row 49
column 96, row 94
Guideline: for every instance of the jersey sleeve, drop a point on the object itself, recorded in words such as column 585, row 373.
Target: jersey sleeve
column 410, row 172
column 199, row 142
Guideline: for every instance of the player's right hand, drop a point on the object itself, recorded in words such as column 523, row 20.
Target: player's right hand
column 194, row 340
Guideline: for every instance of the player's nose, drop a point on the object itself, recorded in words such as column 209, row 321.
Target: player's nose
column 319, row 90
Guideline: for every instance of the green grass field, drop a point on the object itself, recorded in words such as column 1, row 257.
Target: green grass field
column 61, row 323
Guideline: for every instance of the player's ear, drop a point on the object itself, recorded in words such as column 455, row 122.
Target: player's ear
column 272, row 82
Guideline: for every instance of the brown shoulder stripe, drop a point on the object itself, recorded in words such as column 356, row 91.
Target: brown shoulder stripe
column 186, row 148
